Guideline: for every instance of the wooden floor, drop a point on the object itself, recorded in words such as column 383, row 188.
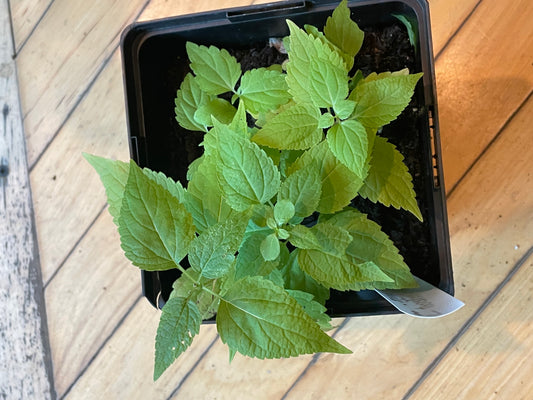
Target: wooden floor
column 101, row 330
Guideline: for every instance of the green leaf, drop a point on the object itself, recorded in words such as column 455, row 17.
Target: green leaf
column 283, row 211
column 263, row 90
column 389, row 180
column 304, row 238
column 188, row 286
column 188, row 99
column 344, row 109
column 313, row 308
column 216, row 70
column 348, row 141
column 213, row 252
column 296, row 279
column 246, row 174
column 339, row 184
column 294, row 128
column 348, row 59
column 205, row 200
column 155, row 229
column 411, row 25
column 302, row 189
column 217, row 108
column 174, row 188
column 380, row 101
column 315, row 72
column 371, row 246
column 326, row 120
column 250, row 260
column 239, row 124
column 342, row 31
column 259, row 319
column 270, row 247
column 179, row 323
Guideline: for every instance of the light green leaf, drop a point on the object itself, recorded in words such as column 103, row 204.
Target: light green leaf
column 205, row 200
column 374, row 76
column 328, row 83
column 174, row 188
column 343, row 109
column 296, row 279
column 155, row 229
column 348, row 141
column 217, row 108
column 263, row 90
column 188, row 99
column 250, row 260
column 216, row 70
column 246, row 174
column 259, row 319
column 313, row 308
column 188, row 286
column 283, row 211
column 213, row 252
column 380, row 101
column 294, row 128
column 326, row 120
column 371, row 245
column 348, row 59
column 342, row 31
column 239, row 124
column 339, row 184
column 179, row 323
column 270, row 247
column 389, row 180
column 304, row 238
column 303, row 189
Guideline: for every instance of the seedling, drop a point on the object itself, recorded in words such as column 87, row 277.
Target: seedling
column 263, row 227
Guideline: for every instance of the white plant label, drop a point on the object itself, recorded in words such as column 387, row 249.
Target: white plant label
column 425, row 301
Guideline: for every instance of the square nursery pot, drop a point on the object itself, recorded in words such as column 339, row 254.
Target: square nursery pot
column 155, row 62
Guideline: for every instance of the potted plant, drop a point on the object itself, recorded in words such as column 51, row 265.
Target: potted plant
column 265, row 220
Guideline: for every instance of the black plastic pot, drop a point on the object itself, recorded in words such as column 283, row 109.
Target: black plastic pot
column 155, row 63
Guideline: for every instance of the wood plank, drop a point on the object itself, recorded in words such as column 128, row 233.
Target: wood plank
column 124, row 367
column 493, row 359
column 100, row 275
column 482, row 77
column 62, row 57
column 491, row 220
column 25, row 355
column 25, row 15
column 65, row 186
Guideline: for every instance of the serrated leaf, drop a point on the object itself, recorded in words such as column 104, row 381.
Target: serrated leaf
column 328, row 83
column 259, row 319
column 205, row 200
column 303, row 189
column 188, row 286
column 263, row 90
column 294, row 128
column 389, row 181
column 215, row 69
column 380, row 101
column 344, row 109
column 348, row 141
column 213, row 252
column 173, row 187
column 188, row 99
column 347, row 58
column 339, row 184
column 155, row 229
column 313, row 308
column 270, row 247
column 283, row 211
column 374, row 76
column 239, row 124
column 342, row 31
column 250, row 260
column 326, row 120
column 371, row 245
column 296, row 279
column 217, row 108
column 304, row 238
column 247, row 175
column 179, row 323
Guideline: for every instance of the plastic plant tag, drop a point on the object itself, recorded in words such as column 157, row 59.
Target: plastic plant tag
column 425, row 301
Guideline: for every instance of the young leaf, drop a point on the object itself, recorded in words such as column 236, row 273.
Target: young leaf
column 339, row 184
column 179, row 323
column 155, row 229
column 259, row 319
column 188, row 286
column 313, row 308
column 294, row 128
column 263, row 90
column 371, row 245
column 348, row 141
column 216, row 70
column 239, row 124
column 380, row 101
column 188, row 99
column 217, row 108
column 302, row 189
column 247, row 176
column 388, row 180
column 313, row 31
column 250, row 261
column 270, row 247
column 213, row 252
column 342, row 31
column 283, row 211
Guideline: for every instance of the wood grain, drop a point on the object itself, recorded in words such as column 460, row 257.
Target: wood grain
column 26, row 15
column 26, row 370
column 483, row 75
column 63, row 56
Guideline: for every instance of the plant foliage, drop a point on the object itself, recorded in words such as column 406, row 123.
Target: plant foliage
column 314, row 146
